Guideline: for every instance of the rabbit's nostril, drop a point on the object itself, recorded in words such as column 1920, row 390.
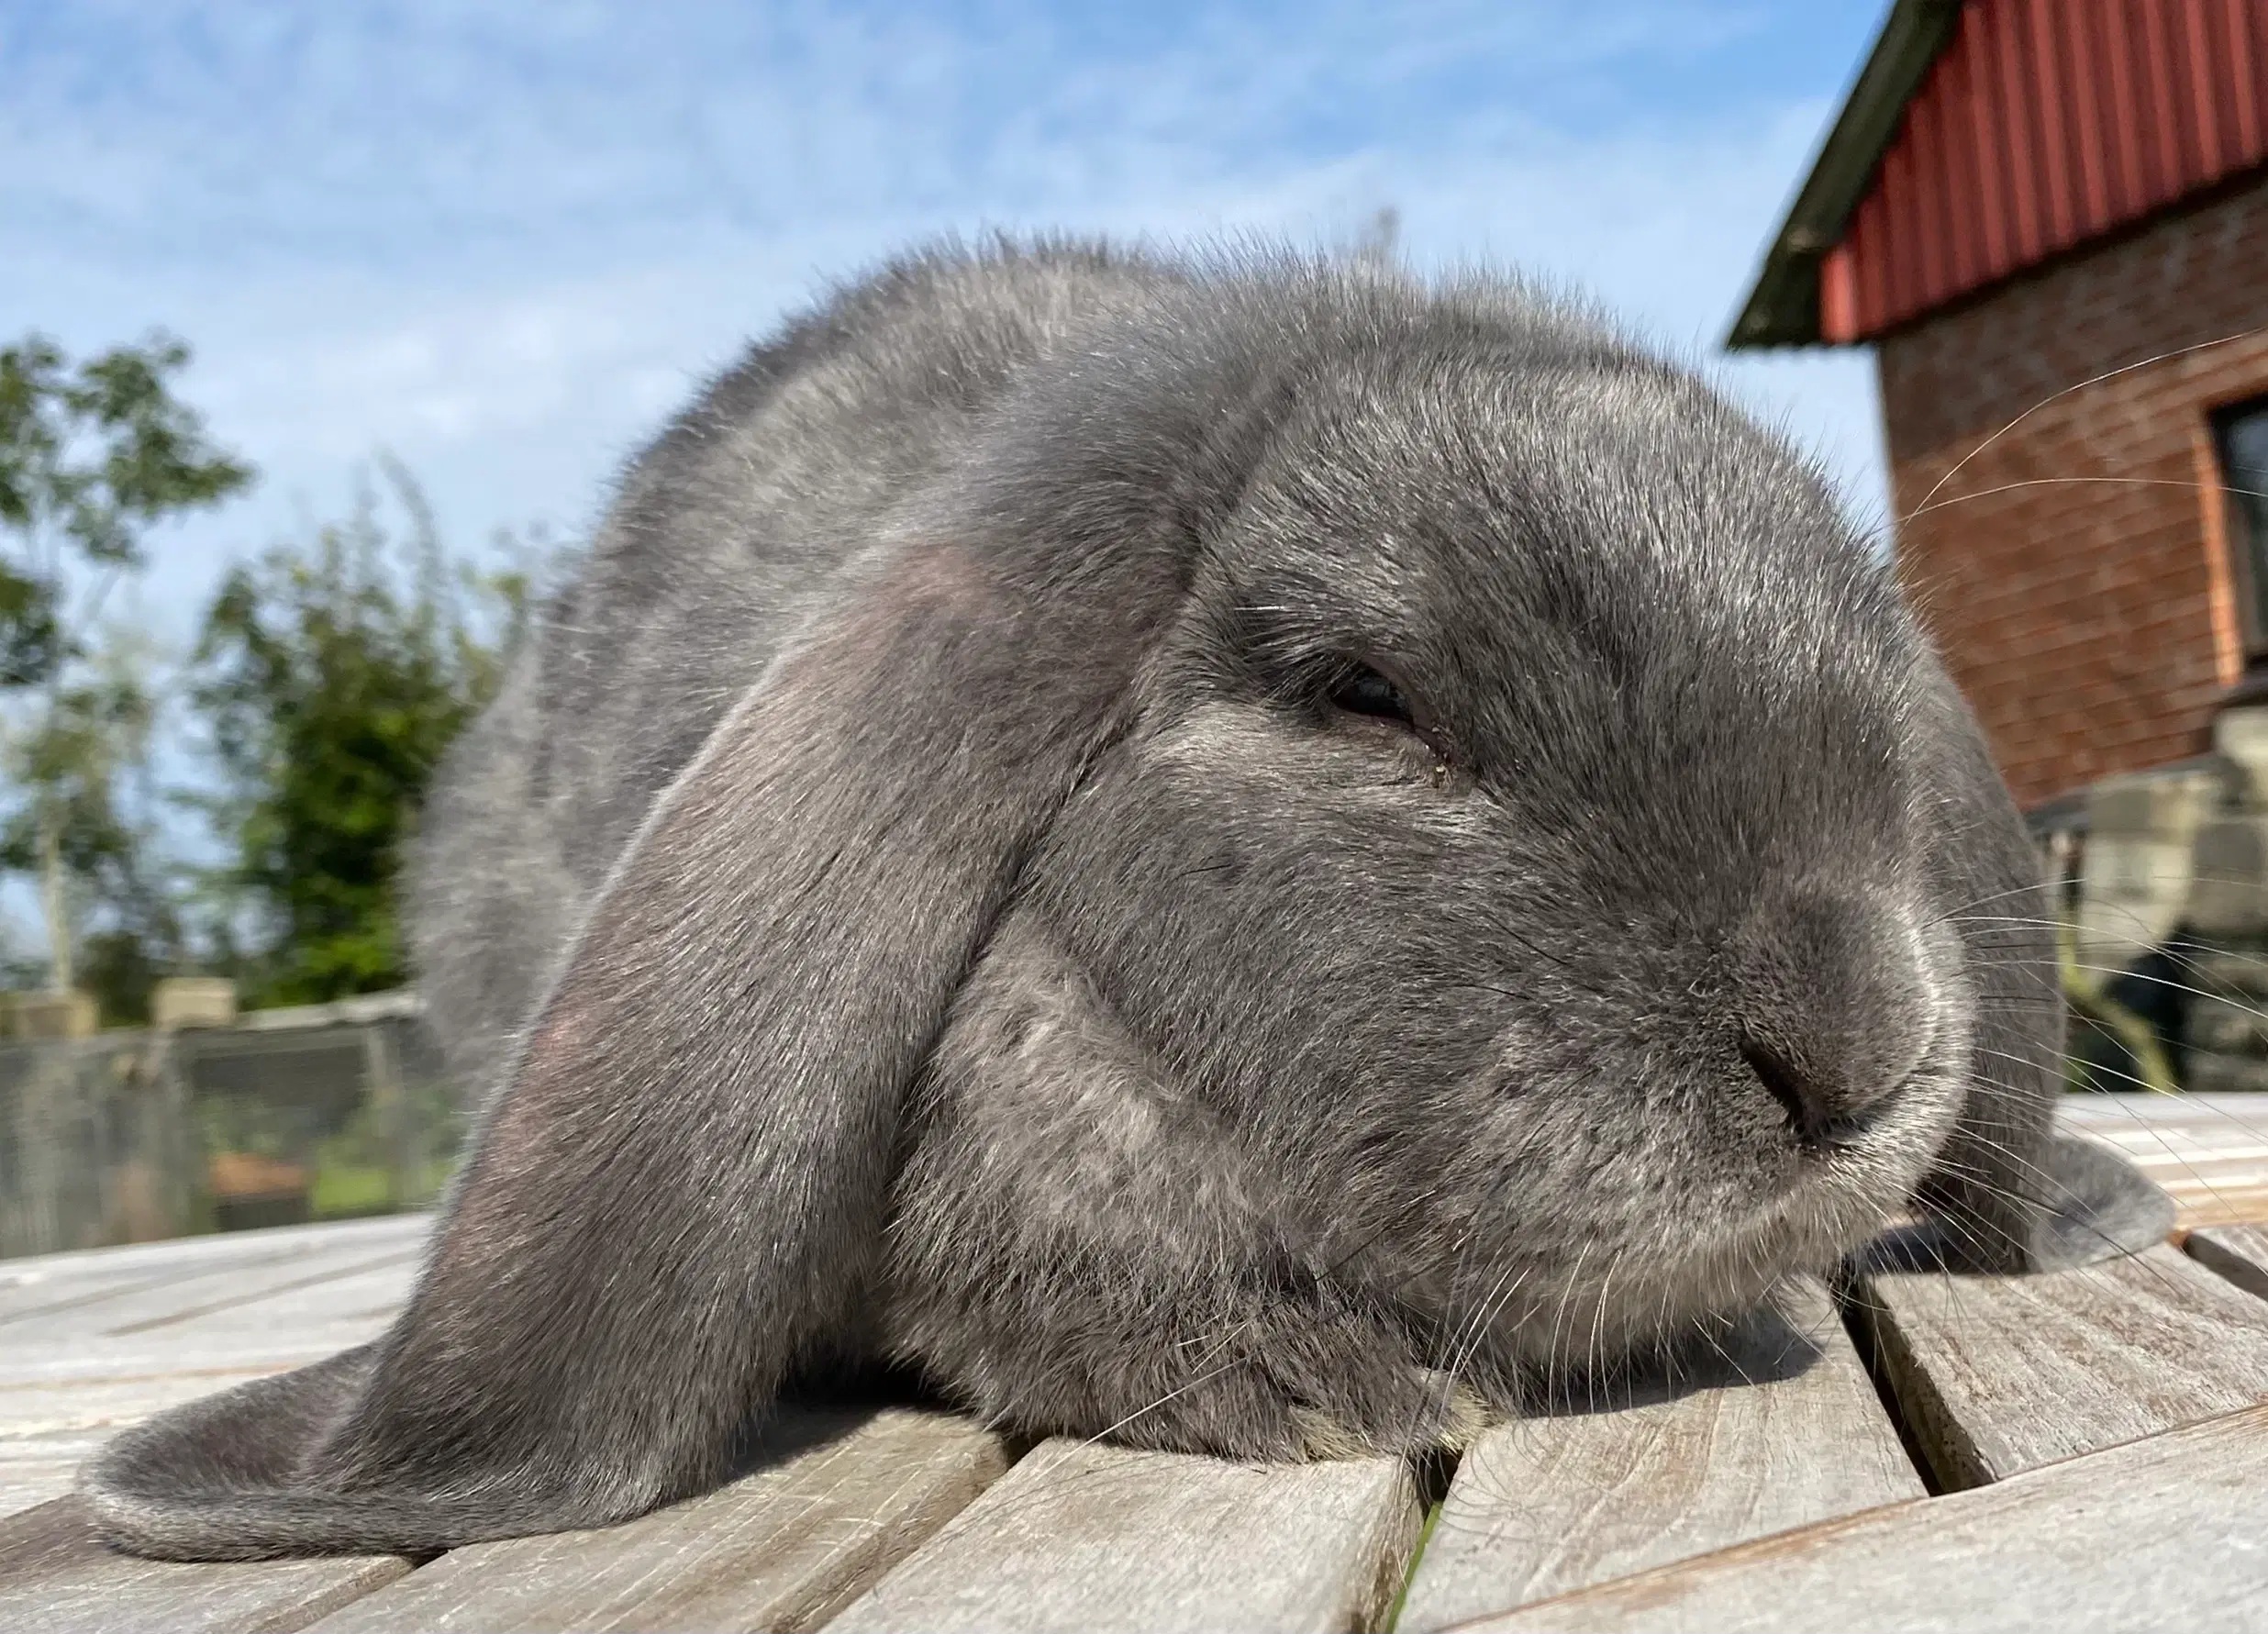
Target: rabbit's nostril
column 1779, row 1080
column 1817, row 1113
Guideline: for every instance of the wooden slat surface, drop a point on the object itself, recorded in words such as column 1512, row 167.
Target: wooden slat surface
column 316, row 1322
column 104, row 1289
column 2170, row 1532
column 91, row 1342
column 46, row 1389
column 34, row 1469
column 93, row 1290
column 56, row 1579
column 2210, row 1151
column 2001, row 1375
column 786, row 1548
column 2240, row 1253
column 1551, row 1505
column 359, row 1287
column 43, row 1391
column 1080, row 1537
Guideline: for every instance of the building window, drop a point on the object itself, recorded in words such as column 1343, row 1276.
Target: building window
column 2240, row 436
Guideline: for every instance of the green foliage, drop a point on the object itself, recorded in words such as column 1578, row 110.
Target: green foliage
column 334, row 677
column 89, row 460
column 79, row 755
column 72, row 752
column 121, row 962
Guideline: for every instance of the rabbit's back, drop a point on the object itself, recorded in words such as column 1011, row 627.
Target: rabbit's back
column 722, row 532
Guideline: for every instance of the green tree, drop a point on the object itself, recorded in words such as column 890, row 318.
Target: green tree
column 88, row 829
column 334, row 676
column 91, row 458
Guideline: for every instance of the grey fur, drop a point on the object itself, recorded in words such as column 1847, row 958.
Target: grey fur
column 974, row 941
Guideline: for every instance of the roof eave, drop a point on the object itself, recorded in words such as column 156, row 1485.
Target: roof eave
column 1783, row 308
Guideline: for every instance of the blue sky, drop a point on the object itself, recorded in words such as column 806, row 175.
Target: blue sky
column 505, row 241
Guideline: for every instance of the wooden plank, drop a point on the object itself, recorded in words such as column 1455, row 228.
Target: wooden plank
column 2211, row 1190
column 56, row 1577
column 343, row 1304
column 272, row 1296
column 2236, row 1110
column 1783, row 1429
column 2240, row 1253
column 34, row 1469
column 45, row 1391
column 35, row 1292
column 2210, row 1151
column 2162, row 1533
column 142, row 1355
column 27, row 1483
column 2219, row 1201
column 35, row 1288
column 1085, row 1537
column 96, row 1383
column 159, row 1347
column 851, row 1495
column 180, row 1253
column 2000, row 1374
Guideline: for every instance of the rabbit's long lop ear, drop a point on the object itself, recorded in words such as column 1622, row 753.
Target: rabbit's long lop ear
column 683, row 1183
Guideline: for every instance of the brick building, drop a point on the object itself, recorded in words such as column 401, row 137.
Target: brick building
column 2049, row 220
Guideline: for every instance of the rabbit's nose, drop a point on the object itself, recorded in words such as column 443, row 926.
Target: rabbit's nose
column 1831, row 1008
column 1824, row 1108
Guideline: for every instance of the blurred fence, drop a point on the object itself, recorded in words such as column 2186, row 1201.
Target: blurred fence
column 2163, row 876
column 327, row 1113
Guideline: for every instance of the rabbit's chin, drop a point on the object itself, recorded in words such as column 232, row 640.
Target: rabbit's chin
column 1641, row 1294
column 1635, row 1310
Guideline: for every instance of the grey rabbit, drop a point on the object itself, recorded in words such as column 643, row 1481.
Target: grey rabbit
column 1237, row 852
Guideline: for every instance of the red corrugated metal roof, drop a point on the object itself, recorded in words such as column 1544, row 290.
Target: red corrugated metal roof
column 2042, row 124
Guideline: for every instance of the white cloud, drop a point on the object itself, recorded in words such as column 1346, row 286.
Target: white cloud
column 504, row 244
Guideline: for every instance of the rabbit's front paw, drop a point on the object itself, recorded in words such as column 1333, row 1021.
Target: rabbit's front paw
column 1442, row 1415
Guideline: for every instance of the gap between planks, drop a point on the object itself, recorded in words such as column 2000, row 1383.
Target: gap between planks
column 2237, row 1253
column 1998, row 1374
column 2159, row 1533
column 1928, row 1368
column 846, row 1495
column 1673, row 1467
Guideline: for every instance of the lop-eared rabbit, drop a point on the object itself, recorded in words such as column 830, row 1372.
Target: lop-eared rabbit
column 1245, row 855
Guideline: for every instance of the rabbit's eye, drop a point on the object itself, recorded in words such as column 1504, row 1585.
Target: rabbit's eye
column 1363, row 690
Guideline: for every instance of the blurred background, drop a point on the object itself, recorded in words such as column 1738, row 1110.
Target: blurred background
column 327, row 328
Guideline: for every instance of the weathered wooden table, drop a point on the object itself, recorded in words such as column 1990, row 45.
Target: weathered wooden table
column 2078, row 1451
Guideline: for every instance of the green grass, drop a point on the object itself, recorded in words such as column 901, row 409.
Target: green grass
column 343, row 1191
column 1425, row 1536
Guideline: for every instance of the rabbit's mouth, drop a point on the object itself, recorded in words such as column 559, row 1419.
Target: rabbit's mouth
column 1626, row 1286
column 1887, row 1148
column 1866, row 1169
column 1835, row 1197
column 1701, row 1212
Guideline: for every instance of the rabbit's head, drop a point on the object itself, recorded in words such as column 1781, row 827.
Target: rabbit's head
column 1522, row 828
